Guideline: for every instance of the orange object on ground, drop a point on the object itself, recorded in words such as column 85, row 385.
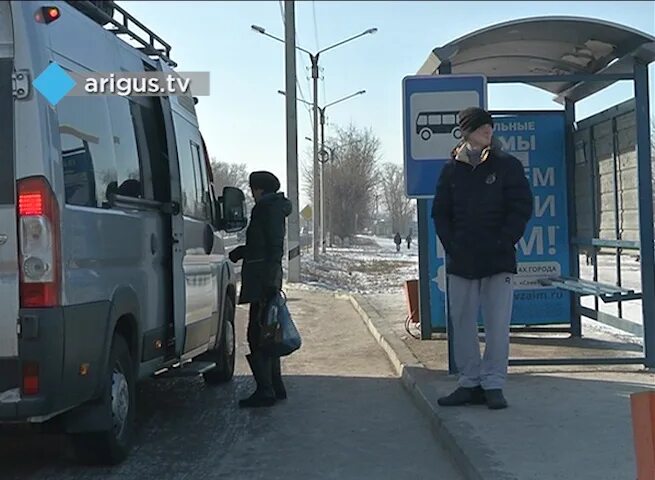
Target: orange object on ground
column 411, row 295
column 643, row 427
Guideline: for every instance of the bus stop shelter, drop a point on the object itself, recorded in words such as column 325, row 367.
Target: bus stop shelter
column 572, row 58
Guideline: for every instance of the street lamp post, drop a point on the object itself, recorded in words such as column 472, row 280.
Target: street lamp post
column 324, row 160
column 314, row 61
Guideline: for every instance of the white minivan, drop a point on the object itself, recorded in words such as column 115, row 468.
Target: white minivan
column 112, row 261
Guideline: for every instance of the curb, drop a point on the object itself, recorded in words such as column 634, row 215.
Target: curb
column 405, row 364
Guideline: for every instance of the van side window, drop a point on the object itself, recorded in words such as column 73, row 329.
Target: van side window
column 129, row 160
column 150, row 132
column 87, row 150
column 189, row 180
column 202, row 194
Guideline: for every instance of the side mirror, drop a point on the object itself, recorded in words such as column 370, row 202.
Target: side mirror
column 233, row 210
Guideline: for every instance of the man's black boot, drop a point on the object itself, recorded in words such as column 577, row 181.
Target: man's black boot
column 463, row 396
column 264, row 395
column 495, row 399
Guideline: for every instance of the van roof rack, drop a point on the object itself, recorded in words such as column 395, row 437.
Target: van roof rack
column 102, row 12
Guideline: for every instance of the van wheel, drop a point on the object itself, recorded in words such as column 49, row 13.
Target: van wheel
column 225, row 353
column 111, row 447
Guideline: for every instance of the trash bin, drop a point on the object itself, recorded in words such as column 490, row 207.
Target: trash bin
column 411, row 295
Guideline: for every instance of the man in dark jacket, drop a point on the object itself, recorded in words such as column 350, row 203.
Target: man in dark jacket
column 482, row 205
column 261, row 280
column 398, row 240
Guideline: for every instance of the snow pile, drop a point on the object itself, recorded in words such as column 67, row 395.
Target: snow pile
column 371, row 265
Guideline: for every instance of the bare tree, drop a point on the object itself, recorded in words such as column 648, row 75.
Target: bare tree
column 307, row 172
column 231, row 175
column 392, row 186
column 350, row 180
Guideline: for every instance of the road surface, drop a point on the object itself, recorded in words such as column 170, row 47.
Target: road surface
column 347, row 418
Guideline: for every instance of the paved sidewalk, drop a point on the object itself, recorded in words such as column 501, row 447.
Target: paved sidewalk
column 347, row 416
column 563, row 422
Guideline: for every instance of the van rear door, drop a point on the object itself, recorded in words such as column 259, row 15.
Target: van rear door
column 9, row 302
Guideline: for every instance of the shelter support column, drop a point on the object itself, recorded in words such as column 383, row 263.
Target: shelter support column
column 574, row 249
column 644, row 173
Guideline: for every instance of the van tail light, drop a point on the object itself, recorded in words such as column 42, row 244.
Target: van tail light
column 30, row 378
column 39, row 240
column 47, row 14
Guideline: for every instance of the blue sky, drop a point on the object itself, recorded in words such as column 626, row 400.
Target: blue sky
column 243, row 120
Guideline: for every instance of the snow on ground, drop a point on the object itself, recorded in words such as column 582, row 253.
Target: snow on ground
column 630, row 278
column 372, row 266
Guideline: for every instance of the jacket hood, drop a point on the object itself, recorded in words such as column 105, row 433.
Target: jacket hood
column 277, row 200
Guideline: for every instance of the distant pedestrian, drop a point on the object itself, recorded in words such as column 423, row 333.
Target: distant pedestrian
column 398, row 240
column 261, row 280
column 481, row 208
column 409, row 241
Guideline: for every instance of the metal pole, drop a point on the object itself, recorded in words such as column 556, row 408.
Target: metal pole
column 445, row 69
column 330, row 214
column 317, row 190
column 574, row 259
column 645, row 190
column 322, row 113
column 422, row 208
column 293, row 229
column 617, row 219
column 596, row 204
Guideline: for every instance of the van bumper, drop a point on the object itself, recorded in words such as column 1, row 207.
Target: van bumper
column 68, row 346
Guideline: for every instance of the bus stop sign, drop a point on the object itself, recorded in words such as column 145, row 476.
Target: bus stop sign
column 430, row 124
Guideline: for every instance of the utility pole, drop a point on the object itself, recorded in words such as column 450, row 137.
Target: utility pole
column 316, row 216
column 323, row 160
column 293, row 229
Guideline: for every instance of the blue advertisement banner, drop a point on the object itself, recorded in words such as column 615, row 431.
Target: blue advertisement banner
column 538, row 140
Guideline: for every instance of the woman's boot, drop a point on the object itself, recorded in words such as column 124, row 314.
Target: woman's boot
column 278, row 386
column 264, row 395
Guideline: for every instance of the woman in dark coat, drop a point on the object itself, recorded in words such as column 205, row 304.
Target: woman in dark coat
column 261, row 280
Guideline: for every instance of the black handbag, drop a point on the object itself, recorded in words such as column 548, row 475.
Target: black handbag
column 279, row 336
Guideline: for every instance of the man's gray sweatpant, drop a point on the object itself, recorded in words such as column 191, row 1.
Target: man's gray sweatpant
column 494, row 297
